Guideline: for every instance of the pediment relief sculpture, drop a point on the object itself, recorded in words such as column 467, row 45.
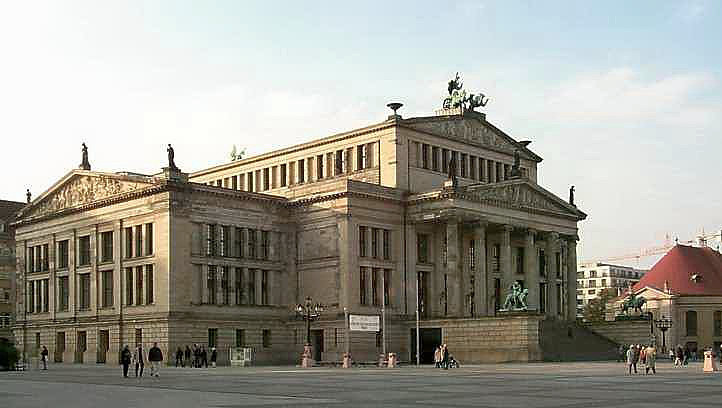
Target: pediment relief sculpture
column 82, row 190
column 518, row 195
column 466, row 129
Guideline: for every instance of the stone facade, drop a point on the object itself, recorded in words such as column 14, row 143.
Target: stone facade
column 7, row 267
column 365, row 222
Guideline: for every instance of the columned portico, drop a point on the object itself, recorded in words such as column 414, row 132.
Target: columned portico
column 480, row 271
column 571, row 280
column 531, row 273
column 553, row 298
column 454, row 296
column 505, row 257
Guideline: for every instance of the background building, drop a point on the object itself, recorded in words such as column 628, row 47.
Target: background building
column 7, row 266
column 592, row 277
column 443, row 212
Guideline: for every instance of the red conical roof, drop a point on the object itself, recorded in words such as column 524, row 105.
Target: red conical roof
column 687, row 271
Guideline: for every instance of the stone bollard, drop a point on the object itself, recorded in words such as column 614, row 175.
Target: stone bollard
column 382, row 360
column 346, row 360
column 710, row 364
column 392, row 360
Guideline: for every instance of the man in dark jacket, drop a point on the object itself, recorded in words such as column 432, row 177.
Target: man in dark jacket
column 155, row 356
column 187, row 357
column 44, row 357
column 125, row 358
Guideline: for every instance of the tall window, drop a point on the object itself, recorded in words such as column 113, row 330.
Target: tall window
column 239, row 242
column 234, row 182
column 63, row 293
column 338, row 162
column 435, row 158
column 387, row 287
column 225, row 234
column 240, row 338
column 251, row 286
column 225, row 289
column 239, row 286
column 374, row 242
column 212, row 338
column 31, row 259
column 362, row 240
column 266, row 338
column 348, row 160
column 319, row 166
column 84, row 291
column 558, row 264
column 387, row 244
column 717, row 323
column 106, row 253
column 249, row 177
column 472, row 167
column 361, row 157
column 251, row 243
column 149, row 239
column 107, row 278
column 520, row 260
column 211, row 240
column 211, row 284
column 149, row 288
column 425, row 156
column 362, row 286
column 264, row 287
column 46, row 257
column 542, row 297
column 138, row 337
column 691, row 323
column 422, row 244
column 463, row 165
column 128, row 286
column 129, row 242
column 264, row 245
column 374, row 286
column 138, row 285
column 63, row 254
column 283, row 175
column 444, row 160
column 84, row 251
column 138, row 240
column 301, row 171
column 266, row 179
column 542, row 263
column 46, row 298
column 31, row 297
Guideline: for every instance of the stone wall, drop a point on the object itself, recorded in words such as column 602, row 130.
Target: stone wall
column 624, row 332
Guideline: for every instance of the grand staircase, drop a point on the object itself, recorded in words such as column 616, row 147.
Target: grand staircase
column 566, row 341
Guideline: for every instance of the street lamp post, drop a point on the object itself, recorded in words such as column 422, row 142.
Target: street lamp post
column 663, row 325
column 309, row 312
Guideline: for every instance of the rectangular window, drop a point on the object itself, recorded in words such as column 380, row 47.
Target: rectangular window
column 46, row 298
column 264, row 287
column 149, row 239
column 319, row 167
column 422, row 243
column 542, row 297
column 374, row 286
column 63, row 293
column 240, row 338
column 301, row 171
column 691, row 323
column 212, row 338
column 472, row 255
column 225, row 288
column 362, row 241
column 251, row 286
column 520, row 260
column 106, row 253
column 46, row 257
column 283, row 175
column 435, row 158
column 360, row 157
column 387, row 244
column 387, row 287
column 266, row 338
column 349, row 160
column 128, row 286
column 463, row 165
column 251, row 243
column 107, row 278
column 472, row 167
column 138, row 285
column 266, row 179
column 249, row 178
column 374, row 242
column 211, row 284
column 234, row 182
column 239, row 243
column 138, row 240
column 362, row 286
column 542, row 263
column 338, row 163
column 31, row 297
column 84, row 291
column 717, row 323
column 239, row 286
column 84, row 251
column 129, row 242
column 425, row 156
column 210, row 240
column 264, row 245
column 558, row 264
column 149, row 289
column 455, row 159
column 63, row 254
column 225, row 235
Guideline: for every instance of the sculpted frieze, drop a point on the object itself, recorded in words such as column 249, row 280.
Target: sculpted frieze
column 466, row 130
column 517, row 195
column 80, row 191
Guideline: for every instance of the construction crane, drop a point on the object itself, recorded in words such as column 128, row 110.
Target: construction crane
column 702, row 239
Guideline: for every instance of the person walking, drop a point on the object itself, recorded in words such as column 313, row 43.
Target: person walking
column 621, row 356
column 642, row 356
column 155, row 356
column 686, row 355
column 437, row 357
column 44, row 357
column 650, row 360
column 204, row 357
column 630, row 359
column 196, row 356
column 214, row 357
column 139, row 359
column 187, row 359
column 445, row 357
column 179, row 357
column 679, row 356
column 125, row 357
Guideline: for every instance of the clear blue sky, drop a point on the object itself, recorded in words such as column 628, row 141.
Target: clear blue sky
column 622, row 99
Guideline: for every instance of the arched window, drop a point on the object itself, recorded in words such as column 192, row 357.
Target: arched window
column 691, row 323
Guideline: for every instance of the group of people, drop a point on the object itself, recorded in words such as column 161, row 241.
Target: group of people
column 138, row 358
column 647, row 355
column 196, row 357
column 442, row 358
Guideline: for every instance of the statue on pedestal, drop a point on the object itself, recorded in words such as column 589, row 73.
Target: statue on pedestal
column 85, row 164
column 571, row 196
column 516, row 298
column 171, row 158
column 516, row 167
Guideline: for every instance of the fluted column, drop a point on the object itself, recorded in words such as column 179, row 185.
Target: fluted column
column 480, row 271
column 453, row 284
column 531, row 274
column 571, row 295
column 553, row 300
column 505, row 259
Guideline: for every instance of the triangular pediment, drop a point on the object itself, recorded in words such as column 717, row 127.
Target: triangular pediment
column 471, row 129
column 79, row 188
column 522, row 194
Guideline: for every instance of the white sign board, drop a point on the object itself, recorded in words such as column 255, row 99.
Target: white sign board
column 364, row 323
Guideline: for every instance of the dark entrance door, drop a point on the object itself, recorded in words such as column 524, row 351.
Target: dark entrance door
column 317, row 344
column 430, row 339
column 59, row 346
column 80, row 346
column 103, row 343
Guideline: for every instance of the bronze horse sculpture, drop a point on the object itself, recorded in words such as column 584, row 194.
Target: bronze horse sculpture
column 633, row 302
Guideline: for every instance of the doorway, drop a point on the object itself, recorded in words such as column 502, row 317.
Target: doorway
column 103, row 345
column 317, row 344
column 59, row 346
column 429, row 340
column 80, row 346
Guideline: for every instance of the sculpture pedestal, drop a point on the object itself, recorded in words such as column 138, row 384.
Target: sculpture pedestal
column 175, row 174
column 710, row 364
column 306, row 357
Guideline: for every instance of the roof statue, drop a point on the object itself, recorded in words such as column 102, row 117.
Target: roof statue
column 171, row 158
column 571, row 196
column 85, row 164
column 28, row 196
column 516, row 167
column 458, row 98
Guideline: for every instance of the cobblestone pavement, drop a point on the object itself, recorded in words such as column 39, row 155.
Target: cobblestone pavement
column 602, row 384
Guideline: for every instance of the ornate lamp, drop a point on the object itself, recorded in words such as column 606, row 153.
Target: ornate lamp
column 394, row 106
column 663, row 325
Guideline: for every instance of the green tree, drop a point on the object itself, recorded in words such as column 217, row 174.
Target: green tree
column 9, row 355
column 596, row 309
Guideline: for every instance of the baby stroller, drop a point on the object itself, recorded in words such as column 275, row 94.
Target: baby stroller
column 452, row 362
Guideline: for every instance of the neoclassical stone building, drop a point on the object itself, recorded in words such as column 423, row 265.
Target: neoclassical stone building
column 360, row 221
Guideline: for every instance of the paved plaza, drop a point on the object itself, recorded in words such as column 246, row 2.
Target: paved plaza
column 601, row 384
